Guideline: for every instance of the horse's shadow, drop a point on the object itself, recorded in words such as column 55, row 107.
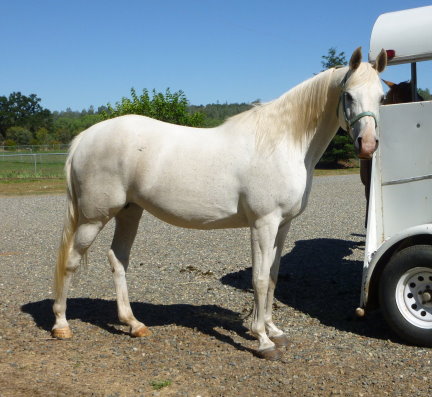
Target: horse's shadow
column 316, row 279
column 206, row 319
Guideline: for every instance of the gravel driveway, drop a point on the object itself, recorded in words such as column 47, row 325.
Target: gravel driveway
column 193, row 288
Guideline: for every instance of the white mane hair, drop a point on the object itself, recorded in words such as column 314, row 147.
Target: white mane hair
column 298, row 112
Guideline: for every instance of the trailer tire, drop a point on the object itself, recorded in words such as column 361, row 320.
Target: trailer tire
column 405, row 294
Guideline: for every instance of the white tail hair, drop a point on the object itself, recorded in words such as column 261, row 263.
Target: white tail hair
column 70, row 223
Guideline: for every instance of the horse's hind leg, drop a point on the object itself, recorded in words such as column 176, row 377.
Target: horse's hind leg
column 127, row 221
column 82, row 239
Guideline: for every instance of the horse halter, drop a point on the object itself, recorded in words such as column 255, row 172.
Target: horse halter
column 342, row 99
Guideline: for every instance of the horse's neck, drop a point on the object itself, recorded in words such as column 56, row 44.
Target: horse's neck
column 316, row 143
column 320, row 141
column 306, row 126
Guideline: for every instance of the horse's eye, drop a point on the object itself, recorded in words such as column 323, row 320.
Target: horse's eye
column 348, row 97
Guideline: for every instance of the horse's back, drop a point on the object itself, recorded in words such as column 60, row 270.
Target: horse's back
column 116, row 145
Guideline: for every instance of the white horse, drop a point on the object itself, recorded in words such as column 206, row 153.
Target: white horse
column 255, row 171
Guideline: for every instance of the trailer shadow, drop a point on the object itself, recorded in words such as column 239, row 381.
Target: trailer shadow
column 206, row 319
column 317, row 279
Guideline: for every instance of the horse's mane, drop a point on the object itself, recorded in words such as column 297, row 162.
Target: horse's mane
column 298, row 112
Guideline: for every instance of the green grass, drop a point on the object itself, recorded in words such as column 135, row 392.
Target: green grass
column 160, row 384
column 27, row 167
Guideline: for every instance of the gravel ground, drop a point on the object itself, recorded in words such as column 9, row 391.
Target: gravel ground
column 192, row 288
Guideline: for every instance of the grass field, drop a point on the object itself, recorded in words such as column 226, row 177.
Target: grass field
column 34, row 165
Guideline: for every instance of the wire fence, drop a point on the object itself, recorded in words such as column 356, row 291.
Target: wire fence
column 32, row 165
column 60, row 147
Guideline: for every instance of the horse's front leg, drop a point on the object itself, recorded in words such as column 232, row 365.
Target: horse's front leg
column 275, row 334
column 263, row 236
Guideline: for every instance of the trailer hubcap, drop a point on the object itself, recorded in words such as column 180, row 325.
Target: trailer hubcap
column 414, row 296
column 427, row 296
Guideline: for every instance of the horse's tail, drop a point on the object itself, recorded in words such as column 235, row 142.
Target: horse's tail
column 70, row 223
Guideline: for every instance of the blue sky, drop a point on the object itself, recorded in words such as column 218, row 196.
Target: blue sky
column 81, row 53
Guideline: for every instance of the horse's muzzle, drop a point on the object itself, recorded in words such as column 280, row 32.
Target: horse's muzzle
column 366, row 148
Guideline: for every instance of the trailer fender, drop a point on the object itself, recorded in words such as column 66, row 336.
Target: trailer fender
column 374, row 265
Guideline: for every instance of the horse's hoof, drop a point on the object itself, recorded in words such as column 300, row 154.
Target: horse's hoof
column 280, row 341
column 271, row 354
column 141, row 332
column 61, row 333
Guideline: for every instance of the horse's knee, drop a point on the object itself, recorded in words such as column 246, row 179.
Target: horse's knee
column 72, row 267
column 260, row 284
column 75, row 257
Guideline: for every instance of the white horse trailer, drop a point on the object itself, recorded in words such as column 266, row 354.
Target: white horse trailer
column 397, row 273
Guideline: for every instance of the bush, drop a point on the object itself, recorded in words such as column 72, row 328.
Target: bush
column 339, row 150
column 169, row 107
column 9, row 144
column 20, row 135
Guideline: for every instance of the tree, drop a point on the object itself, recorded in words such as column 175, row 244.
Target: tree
column 169, row 107
column 68, row 124
column 23, row 111
column 332, row 59
column 425, row 94
column 216, row 113
column 43, row 137
column 341, row 147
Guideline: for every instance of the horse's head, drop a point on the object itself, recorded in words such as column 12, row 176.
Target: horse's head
column 400, row 93
column 360, row 97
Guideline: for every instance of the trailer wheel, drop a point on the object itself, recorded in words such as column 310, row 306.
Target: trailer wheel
column 406, row 294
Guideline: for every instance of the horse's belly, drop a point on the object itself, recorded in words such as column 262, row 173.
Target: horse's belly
column 191, row 188
column 194, row 205
column 194, row 215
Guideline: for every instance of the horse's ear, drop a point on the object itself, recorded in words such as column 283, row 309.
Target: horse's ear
column 388, row 83
column 356, row 59
column 381, row 61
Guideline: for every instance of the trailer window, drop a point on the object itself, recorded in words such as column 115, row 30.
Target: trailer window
column 400, row 75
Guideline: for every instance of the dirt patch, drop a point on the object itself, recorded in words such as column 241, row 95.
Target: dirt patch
column 40, row 186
